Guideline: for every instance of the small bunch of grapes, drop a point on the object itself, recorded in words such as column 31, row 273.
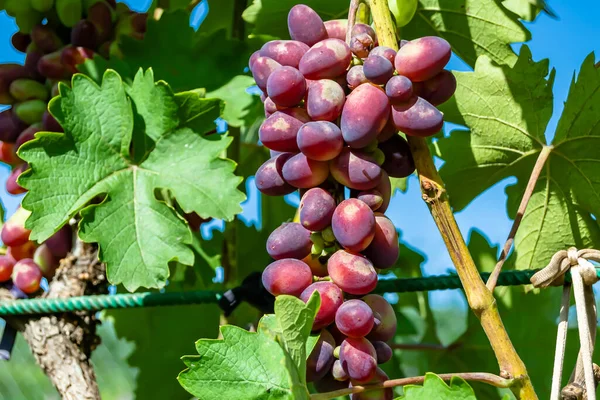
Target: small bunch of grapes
column 57, row 35
column 24, row 264
column 333, row 112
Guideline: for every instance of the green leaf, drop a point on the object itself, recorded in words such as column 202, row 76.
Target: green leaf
column 528, row 9
column 473, row 28
column 435, row 388
column 137, row 234
column 295, row 319
column 507, row 111
column 242, row 365
column 238, row 104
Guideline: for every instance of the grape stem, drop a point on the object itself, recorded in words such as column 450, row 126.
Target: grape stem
column 490, row 379
column 535, row 174
column 479, row 297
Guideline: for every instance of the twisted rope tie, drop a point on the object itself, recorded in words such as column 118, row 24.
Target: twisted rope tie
column 583, row 275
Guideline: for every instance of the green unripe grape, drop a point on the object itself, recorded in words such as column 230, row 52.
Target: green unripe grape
column 316, row 249
column 42, row 5
column 28, row 89
column 403, row 10
column 371, row 146
column 30, row 111
column 26, row 20
column 378, row 156
column 327, row 235
column 88, row 3
column 13, row 7
column 69, row 11
column 336, row 352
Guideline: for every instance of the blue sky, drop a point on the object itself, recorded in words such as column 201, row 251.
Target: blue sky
column 566, row 42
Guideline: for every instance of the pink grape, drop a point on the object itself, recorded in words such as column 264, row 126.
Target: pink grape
column 302, row 172
column 6, row 267
column 399, row 89
column 353, row 224
column 320, row 140
column 297, row 112
column 338, row 372
column 316, row 209
column 373, row 198
column 269, row 177
column 262, row 68
column 353, row 273
column 385, row 188
column 364, row 115
column 285, row 52
column 289, row 240
column 305, row 25
column 336, row 28
column 379, row 394
column 378, row 69
column 12, row 186
column 357, row 356
column 417, row 118
column 384, row 351
column 356, row 76
column 325, row 60
column 361, row 44
column 26, row 276
column 438, row 89
column 385, row 318
column 14, row 232
column 331, row 299
column 356, row 170
column 286, row 276
column 253, row 58
column 278, row 132
column 325, row 100
column 386, row 52
column 354, row 319
column 398, row 162
column 384, row 249
column 423, row 58
column 321, row 358
column 270, row 107
column 286, row 86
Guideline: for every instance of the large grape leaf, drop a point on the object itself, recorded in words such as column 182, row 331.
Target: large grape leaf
column 137, row 234
column 507, row 111
column 435, row 388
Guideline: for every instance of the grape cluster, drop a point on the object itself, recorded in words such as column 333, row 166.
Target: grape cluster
column 56, row 35
column 333, row 112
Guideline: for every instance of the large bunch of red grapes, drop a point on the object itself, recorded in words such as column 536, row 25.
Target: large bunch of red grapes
column 56, row 35
column 334, row 110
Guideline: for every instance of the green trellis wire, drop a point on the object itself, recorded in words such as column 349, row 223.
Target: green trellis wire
column 153, row 299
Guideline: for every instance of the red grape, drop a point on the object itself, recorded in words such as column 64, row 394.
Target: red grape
column 286, row 86
column 356, row 76
column 417, row 118
column 269, row 177
column 84, row 34
column 262, row 68
column 423, row 58
column 327, row 59
column 320, row 140
column 8, row 155
column 364, row 115
column 356, row 170
column 20, row 252
column 297, row 112
column 305, row 25
column 385, row 188
column 285, row 52
column 26, row 276
column 289, row 240
column 379, row 394
column 438, row 89
column 287, row 276
column 100, row 14
column 364, row 28
column 378, row 69
column 316, row 209
column 373, row 198
column 321, row 358
column 270, row 107
column 353, row 273
column 14, row 232
column 45, row 261
column 331, row 299
column 27, row 135
column 398, row 162
column 50, row 123
column 384, row 351
column 325, row 100
column 253, row 58
column 12, row 186
column 357, row 356
column 51, row 67
column 383, row 250
column 336, row 28
column 361, row 44
column 303, row 172
column 45, row 38
column 385, row 318
column 354, row 319
column 386, row 52
column 20, row 41
column 6, row 268
column 353, row 224
column 10, row 125
column 399, row 89
column 61, row 242
column 279, row 131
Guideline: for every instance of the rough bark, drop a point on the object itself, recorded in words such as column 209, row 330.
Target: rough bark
column 63, row 343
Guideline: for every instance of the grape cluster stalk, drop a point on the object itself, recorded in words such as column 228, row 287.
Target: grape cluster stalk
column 334, row 111
column 57, row 36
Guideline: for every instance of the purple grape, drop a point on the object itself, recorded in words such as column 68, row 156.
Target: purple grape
column 84, row 34
column 285, row 52
column 60, row 243
column 364, row 28
column 385, row 318
column 326, row 60
column 438, row 89
column 262, row 68
column 399, row 89
column 26, row 276
column 316, row 209
column 353, row 273
column 269, row 177
column 384, row 351
column 287, row 276
column 338, row 372
column 364, row 115
column 357, row 356
column 423, row 58
column 356, row 170
column 270, row 107
column 331, row 299
column 354, row 319
column 286, row 86
column 336, row 28
column 10, row 126
column 253, row 58
column 289, row 240
column 373, row 198
column 45, row 38
column 361, row 44
column 417, row 118
column 305, row 25
column 325, row 100
column 386, row 52
column 385, row 188
column 321, row 358
column 279, row 131
column 384, row 249
column 398, row 162
column 378, row 69
column 320, row 140
column 356, row 76
column 27, row 135
column 302, row 172
column 20, row 41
